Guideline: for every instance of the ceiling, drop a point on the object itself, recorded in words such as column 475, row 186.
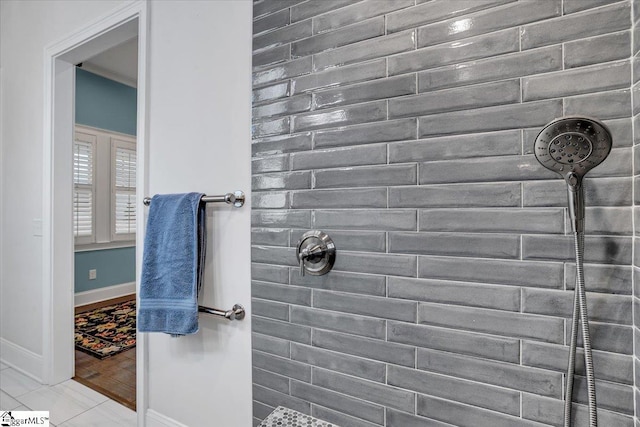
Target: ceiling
column 119, row 63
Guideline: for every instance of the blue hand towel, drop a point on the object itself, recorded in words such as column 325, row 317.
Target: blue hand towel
column 173, row 260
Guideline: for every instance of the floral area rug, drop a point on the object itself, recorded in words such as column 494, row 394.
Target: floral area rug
column 106, row 331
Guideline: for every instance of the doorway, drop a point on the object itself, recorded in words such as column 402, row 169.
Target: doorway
column 123, row 25
column 104, row 222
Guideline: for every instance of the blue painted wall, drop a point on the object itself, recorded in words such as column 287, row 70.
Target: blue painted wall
column 104, row 103
column 108, row 105
column 114, row 266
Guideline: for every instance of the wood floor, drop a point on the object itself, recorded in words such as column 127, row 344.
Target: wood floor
column 115, row 376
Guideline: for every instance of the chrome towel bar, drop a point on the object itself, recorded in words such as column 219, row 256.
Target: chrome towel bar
column 236, row 199
column 236, row 312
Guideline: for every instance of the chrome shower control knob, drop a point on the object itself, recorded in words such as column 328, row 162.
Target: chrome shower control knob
column 316, row 253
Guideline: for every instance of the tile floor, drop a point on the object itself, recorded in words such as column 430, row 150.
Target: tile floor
column 70, row 404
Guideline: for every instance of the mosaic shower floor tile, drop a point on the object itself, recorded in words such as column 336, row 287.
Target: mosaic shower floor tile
column 284, row 417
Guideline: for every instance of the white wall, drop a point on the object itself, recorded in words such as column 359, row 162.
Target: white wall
column 199, row 140
column 26, row 28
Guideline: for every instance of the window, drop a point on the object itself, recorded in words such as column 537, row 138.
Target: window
column 104, row 177
column 83, row 187
column 123, row 184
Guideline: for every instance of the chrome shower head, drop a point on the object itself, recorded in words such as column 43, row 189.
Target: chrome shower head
column 571, row 147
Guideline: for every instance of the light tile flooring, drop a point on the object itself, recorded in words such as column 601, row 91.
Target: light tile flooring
column 70, row 404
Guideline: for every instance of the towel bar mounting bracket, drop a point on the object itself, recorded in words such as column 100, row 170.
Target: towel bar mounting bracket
column 236, row 312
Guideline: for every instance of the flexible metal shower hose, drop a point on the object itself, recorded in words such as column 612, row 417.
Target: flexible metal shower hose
column 580, row 306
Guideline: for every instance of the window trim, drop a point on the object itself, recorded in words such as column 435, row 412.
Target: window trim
column 102, row 170
column 102, row 246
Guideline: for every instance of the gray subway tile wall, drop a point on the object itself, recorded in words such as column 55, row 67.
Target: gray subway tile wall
column 404, row 129
column 610, row 337
column 472, row 393
column 483, row 46
column 635, row 85
column 455, row 341
column 614, row 367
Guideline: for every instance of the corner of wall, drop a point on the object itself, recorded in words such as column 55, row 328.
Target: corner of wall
column 635, row 98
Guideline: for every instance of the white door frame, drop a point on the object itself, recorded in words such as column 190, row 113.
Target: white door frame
column 58, row 243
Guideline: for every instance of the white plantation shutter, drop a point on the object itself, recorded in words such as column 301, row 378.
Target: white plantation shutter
column 123, row 171
column 83, row 212
column 83, row 191
column 82, row 162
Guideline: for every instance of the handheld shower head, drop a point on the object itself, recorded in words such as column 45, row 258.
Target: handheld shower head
column 571, row 147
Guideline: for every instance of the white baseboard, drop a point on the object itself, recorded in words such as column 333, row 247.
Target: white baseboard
column 21, row 359
column 156, row 419
column 103, row 294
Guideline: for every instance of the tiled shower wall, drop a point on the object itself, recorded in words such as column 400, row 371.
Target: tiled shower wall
column 636, row 208
column 404, row 129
